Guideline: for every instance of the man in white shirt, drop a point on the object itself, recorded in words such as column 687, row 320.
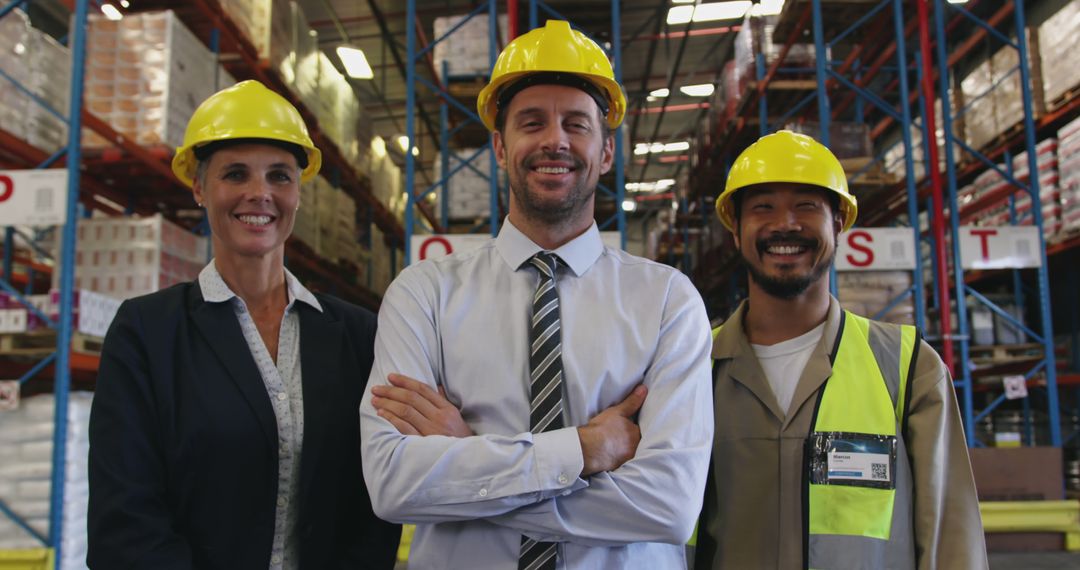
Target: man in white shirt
column 462, row 423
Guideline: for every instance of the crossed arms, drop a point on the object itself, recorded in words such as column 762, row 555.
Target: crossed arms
column 609, row 482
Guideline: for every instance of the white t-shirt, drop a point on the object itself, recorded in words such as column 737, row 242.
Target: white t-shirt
column 784, row 362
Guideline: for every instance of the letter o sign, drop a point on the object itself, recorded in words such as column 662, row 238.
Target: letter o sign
column 445, row 243
column 7, row 187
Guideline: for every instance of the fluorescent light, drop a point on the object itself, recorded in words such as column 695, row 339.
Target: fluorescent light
column 656, row 186
column 651, row 99
column 680, row 15
column 657, row 147
column 700, row 90
column 662, row 92
column 356, row 65
column 403, row 143
column 111, row 12
column 378, row 146
column 629, row 205
column 708, row 12
column 125, row 3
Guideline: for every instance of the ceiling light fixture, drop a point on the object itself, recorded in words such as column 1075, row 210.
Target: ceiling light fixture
column 662, row 92
column 356, row 64
column 111, row 12
column 708, row 12
column 699, row 90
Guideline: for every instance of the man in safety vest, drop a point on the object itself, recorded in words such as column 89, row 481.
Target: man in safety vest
column 838, row 442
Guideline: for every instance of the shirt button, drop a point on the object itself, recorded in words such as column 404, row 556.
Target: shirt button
column 483, row 492
column 282, row 395
column 275, row 560
column 562, row 479
column 281, row 501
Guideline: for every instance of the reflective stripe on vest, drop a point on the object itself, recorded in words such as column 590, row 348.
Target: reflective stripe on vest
column 866, row 394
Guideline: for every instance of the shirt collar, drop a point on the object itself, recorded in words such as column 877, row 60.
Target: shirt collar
column 578, row 254
column 215, row 290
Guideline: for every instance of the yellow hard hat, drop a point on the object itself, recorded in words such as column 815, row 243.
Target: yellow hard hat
column 556, row 49
column 785, row 156
column 247, row 110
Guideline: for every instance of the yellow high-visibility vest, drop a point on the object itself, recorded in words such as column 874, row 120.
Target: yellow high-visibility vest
column 851, row 454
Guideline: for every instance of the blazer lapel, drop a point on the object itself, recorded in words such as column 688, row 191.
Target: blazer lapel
column 218, row 325
column 321, row 337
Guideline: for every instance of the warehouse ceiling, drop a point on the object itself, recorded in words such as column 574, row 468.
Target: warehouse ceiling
column 654, row 56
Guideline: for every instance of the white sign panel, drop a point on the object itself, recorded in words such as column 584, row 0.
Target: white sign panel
column 433, row 246
column 1008, row 247
column 33, row 197
column 876, row 249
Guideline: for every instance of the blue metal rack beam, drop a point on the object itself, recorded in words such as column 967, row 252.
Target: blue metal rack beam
column 1047, row 365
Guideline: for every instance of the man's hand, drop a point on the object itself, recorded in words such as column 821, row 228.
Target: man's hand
column 415, row 409
column 611, row 438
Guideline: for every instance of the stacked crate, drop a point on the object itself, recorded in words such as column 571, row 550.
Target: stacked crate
column 867, row 293
column 387, row 182
column 1046, row 158
column 1059, row 43
column 466, row 51
column 50, row 80
column 306, row 222
column 268, row 25
column 1069, row 176
column 303, row 59
column 127, row 257
column 145, row 76
column 14, row 56
column 26, row 442
column 468, row 191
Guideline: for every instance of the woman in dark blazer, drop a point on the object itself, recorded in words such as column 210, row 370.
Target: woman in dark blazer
column 224, row 432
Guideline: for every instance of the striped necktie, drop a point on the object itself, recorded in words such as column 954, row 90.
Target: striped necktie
column 545, row 375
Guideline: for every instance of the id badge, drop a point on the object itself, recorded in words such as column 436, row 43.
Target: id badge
column 853, row 459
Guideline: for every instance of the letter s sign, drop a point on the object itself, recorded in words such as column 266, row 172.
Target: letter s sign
column 7, row 187
column 868, row 253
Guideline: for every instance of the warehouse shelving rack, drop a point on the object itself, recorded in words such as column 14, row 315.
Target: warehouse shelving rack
column 417, row 55
column 61, row 358
column 934, row 194
column 1047, row 364
column 499, row 194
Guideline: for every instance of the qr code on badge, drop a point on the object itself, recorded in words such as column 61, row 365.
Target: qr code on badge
column 879, row 471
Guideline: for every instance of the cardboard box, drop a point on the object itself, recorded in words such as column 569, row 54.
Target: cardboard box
column 1020, row 474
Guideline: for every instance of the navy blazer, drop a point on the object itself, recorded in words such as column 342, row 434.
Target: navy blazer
column 183, row 441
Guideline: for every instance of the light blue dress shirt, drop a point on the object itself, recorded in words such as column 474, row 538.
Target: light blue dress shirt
column 284, row 387
column 462, row 322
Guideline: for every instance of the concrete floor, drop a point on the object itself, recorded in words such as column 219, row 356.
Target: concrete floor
column 1034, row 560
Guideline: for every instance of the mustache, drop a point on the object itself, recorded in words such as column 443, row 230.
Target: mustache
column 554, row 157
column 786, row 239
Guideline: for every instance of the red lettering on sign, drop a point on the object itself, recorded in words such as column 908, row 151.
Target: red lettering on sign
column 7, row 187
column 436, row 239
column 869, row 253
column 983, row 236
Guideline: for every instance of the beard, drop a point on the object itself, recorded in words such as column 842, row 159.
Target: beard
column 787, row 286
column 545, row 209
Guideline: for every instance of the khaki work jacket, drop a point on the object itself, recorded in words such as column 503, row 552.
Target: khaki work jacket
column 753, row 515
